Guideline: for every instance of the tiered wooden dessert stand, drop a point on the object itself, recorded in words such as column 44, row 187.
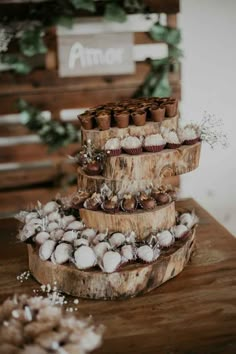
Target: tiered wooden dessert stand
column 127, row 173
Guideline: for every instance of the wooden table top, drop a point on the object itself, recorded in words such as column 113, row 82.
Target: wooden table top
column 192, row 313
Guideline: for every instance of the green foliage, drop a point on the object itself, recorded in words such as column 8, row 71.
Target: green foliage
column 31, row 42
column 52, row 133
column 114, row 12
column 65, row 21
column 171, row 36
column 88, row 5
column 16, row 63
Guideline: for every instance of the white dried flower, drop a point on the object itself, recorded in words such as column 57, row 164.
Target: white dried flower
column 85, row 257
column 100, row 237
column 41, row 237
column 117, row 239
column 63, row 253
column 46, row 249
column 110, row 261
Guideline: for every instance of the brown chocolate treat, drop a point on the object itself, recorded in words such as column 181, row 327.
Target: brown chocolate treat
column 129, row 203
column 93, row 168
column 103, row 119
column 79, row 199
column 86, row 120
column 157, row 112
column 111, row 205
column 94, row 202
column 146, row 201
column 161, row 197
column 139, row 117
column 172, row 193
column 170, row 108
column 122, row 118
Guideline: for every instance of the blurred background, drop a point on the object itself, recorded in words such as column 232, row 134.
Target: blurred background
column 179, row 48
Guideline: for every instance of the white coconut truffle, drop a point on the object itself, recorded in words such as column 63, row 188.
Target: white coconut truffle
column 179, row 231
column 52, row 226
column 131, row 142
column 70, row 236
column 31, row 215
column 85, row 257
column 66, row 220
column 111, row 261
column 112, row 144
column 41, row 237
column 46, row 249
column 50, row 207
column 154, row 140
column 89, row 234
column 62, row 253
column 75, row 225
column 165, row 238
column 101, row 248
column 56, row 234
column 128, row 252
column 189, row 132
column 188, row 219
column 145, row 253
column 117, row 239
column 80, row 242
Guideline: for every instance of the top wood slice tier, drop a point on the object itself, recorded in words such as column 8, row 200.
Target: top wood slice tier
column 100, row 137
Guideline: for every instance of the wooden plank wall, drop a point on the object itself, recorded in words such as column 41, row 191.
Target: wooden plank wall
column 27, row 170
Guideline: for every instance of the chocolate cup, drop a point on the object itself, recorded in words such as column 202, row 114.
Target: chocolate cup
column 139, row 118
column 170, row 109
column 86, row 121
column 157, row 113
column 122, row 119
column 104, row 121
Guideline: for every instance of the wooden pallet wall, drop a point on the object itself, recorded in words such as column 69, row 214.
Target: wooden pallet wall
column 25, row 164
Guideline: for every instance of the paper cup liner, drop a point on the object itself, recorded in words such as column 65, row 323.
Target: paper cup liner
column 191, row 141
column 173, row 146
column 154, row 148
column 133, row 151
column 113, row 152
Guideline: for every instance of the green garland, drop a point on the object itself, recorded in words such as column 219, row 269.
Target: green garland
column 62, row 12
column 51, row 132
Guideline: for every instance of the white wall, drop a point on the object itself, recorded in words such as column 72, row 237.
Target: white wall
column 209, row 84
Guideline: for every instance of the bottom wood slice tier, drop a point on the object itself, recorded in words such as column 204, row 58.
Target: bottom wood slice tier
column 142, row 222
column 131, row 279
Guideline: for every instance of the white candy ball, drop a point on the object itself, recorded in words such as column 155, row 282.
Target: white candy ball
column 46, row 249
column 85, row 257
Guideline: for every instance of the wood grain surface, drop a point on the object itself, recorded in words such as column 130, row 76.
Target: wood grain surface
column 131, row 279
column 148, row 165
column 193, row 313
column 142, row 222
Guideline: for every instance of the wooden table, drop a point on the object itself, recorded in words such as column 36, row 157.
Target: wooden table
column 193, row 313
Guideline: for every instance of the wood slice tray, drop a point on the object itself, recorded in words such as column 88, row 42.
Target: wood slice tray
column 129, row 281
column 142, row 222
column 99, row 137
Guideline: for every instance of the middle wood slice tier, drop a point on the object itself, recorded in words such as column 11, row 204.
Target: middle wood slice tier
column 142, row 222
